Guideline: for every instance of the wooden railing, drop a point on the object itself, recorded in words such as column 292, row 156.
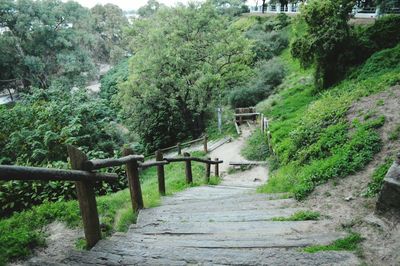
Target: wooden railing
column 179, row 145
column 82, row 173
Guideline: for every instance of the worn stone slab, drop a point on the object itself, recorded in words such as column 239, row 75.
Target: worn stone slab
column 205, row 256
column 259, row 227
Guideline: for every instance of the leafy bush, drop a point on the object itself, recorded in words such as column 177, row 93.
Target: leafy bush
column 269, row 74
column 35, row 132
column 267, row 44
column 110, row 81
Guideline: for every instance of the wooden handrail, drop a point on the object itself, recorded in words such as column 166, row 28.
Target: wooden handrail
column 195, row 159
column 85, row 179
column 150, row 164
column 103, row 163
column 12, row 172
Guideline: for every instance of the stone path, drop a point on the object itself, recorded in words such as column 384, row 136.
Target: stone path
column 228, row 224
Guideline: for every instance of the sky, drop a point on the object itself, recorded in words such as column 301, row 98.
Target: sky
column 127, row 4
column 132, row 4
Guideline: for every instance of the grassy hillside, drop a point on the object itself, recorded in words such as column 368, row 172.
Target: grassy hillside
column 312, row 137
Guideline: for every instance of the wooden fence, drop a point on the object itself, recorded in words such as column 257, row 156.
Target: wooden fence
column 179, row 145
column 83, row 174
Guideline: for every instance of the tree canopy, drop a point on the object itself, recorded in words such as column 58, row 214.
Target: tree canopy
column 186, row 58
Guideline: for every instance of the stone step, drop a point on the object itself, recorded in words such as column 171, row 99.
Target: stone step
column 262, row 228
column 221, row 216
column 143, row 255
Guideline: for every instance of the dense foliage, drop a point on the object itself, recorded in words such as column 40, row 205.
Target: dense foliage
column 51, row 42
column 269, row 74
column 35, row 132
column 334, row 46
column 186, row 58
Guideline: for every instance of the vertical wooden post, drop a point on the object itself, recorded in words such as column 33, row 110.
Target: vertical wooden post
column 86, row 198
column 216, row 168
column 205, row 143
column 188, row 169
column 160, row 174
column 208, row 171
column 132, row 174
column 178, row 146
column 262, row 123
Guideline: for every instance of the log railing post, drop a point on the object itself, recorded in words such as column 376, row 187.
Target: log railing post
column 179, row 148
column 208, row 171
column 216, row 168
column 86, row 198
column 132, row 173
column 160, row 173
column 205, row 143
column 188, row 169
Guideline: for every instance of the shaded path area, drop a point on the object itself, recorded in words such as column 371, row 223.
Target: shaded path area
column 228, row 224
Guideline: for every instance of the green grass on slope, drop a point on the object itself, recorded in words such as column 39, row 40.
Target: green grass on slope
column 311, row 136
column 299, row 216
column 349, row 243
column 23, row 231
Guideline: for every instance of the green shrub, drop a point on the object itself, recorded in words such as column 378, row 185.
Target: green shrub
column 375, row 186
column 35, row 132
column 269, row 74
column 267, row 44
column 256, row 148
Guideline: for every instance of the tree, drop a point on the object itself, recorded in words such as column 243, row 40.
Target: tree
column 324, row 44
column 149, row 9
column 230, row 7
column 46, row 40
column 186, row 58
column 109, row 22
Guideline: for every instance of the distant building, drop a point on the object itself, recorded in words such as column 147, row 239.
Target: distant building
column 362, row 8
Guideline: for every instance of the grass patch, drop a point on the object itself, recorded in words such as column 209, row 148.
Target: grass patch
column 256, row 147
column 349, row 243
column 395, row 134
column 21, row 232
column 300, row 216
column 375, row 186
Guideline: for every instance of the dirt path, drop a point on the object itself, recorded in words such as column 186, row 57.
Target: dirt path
column 228, row 224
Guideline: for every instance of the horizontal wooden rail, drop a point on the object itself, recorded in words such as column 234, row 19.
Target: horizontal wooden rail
column 12, row 172
column 102, row 163
column 179, row 145
column 195, row 159
column 246, row 114
column 151, row 164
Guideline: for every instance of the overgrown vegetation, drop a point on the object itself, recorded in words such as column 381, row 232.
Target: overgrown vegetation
column 268, row 42
column 311, row 135
column 349, row 243
column 299, row 216
column 170, row 92
column 334, row 46
column 35, row 132
column 23, row 231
